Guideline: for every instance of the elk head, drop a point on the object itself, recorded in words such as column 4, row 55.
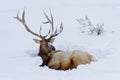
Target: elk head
column 46, row 40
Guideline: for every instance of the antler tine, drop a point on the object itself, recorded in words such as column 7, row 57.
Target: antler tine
column 52, row 21
column 61, row 27
column 22, row 20
column 40, row 30
column 56, row 31
column 49, row 20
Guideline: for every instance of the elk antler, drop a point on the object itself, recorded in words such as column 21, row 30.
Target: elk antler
column 22, row 20
column 51, row 22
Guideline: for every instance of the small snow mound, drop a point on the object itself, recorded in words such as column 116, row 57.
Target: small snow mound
column 32, row 52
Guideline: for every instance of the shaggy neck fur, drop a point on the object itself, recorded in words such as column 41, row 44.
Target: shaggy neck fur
column 44, row 53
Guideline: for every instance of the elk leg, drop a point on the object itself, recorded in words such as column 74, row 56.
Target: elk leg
column 42, row 65
column 45, row 61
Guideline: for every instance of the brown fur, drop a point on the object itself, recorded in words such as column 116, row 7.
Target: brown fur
column 69, row 60
column 44, row 50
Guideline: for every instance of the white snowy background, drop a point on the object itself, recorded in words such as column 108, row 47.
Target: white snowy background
column 18, row 50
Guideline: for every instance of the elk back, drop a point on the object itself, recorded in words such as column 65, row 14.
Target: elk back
column 60, row 60
column 69, row 60
column 79, row 57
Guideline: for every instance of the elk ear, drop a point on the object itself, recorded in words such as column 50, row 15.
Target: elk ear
column 37, row 41
column 52, row 40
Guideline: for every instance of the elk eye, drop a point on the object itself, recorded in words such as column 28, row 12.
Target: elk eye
column 49, row 44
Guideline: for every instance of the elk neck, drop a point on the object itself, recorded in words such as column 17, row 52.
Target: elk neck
column 43, row 50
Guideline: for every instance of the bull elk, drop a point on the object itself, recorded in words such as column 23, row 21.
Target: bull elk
column 56, row 59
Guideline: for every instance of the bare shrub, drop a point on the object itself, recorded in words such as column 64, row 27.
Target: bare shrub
column 88, row 27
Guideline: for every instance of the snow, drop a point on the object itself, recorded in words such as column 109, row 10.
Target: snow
column 18, row 51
